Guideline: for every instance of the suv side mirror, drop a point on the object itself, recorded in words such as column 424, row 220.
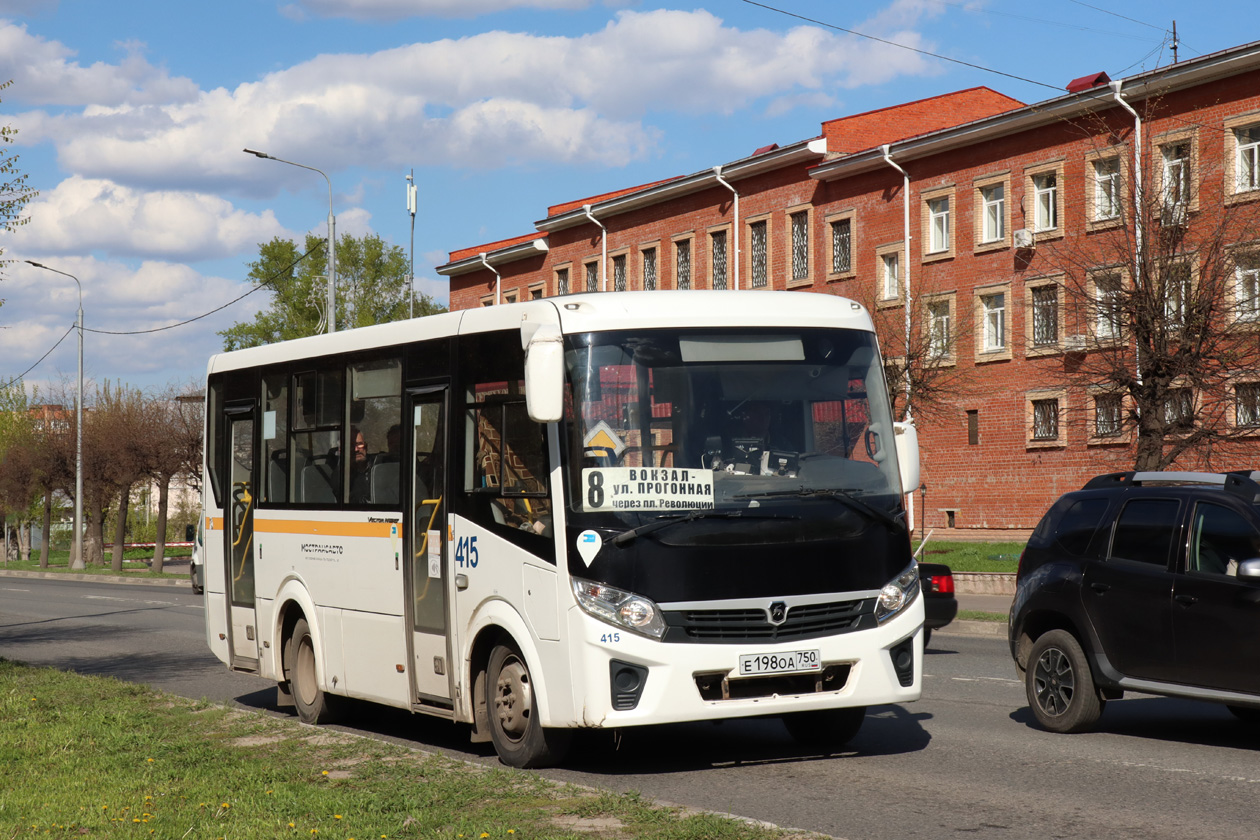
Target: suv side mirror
column 1249, row 569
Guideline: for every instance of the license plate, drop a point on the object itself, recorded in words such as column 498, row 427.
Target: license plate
column 788, row 662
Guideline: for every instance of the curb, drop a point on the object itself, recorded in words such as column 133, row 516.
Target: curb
column 102, row 578
column 972, row 628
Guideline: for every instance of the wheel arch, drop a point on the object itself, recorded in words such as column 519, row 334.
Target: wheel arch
column 1036, row 624
column 497, row 622
column 293, row 603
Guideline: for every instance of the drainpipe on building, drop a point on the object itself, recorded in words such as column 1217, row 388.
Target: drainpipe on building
column 905, row 238
column 498, row 280
column 717, row 172
column 1137, row 207
column 603, row 248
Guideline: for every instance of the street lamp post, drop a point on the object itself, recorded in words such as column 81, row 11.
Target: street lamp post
column 76, row 559
column 332, row 236
column 411, row 280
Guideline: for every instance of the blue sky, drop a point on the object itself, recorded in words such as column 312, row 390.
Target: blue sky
column 132, row 117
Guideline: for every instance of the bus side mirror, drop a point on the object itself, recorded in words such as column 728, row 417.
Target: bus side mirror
column 906, row 438
column 544, row 375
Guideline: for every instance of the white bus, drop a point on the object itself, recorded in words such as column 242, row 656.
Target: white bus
column 590, row 511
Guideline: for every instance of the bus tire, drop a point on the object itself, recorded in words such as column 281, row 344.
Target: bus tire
column 519, row 739
column 313, row 704
column 831, row 728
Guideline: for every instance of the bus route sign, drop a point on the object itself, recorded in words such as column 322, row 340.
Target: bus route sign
column 646, row 488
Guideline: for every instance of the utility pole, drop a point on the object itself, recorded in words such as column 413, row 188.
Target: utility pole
column 411, row 278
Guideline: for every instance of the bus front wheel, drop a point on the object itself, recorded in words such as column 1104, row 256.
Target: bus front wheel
column 519, row 738
column 313, row 705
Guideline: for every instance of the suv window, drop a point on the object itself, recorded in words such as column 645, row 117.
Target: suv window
column 1144, row 531
column 1220, row 541
column 1078, row 524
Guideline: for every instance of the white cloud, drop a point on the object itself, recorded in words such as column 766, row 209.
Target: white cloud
column 490, row 99
column 43, row 72
column 119, row 298
column 399, row 9
column 83, row 215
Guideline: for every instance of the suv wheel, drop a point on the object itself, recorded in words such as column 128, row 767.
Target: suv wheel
column 1060, row 685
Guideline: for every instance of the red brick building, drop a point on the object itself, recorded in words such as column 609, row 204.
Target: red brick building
column 959, row 204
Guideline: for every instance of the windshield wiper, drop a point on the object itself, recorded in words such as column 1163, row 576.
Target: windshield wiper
column 665, row 520
column 839, row 495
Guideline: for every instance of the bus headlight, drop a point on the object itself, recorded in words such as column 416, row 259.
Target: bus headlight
column 898, row 593
column 619, row 608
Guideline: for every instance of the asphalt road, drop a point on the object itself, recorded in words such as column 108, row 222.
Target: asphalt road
column 963, row 761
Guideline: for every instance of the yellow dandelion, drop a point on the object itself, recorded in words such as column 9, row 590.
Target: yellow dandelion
column 226, row 805
column 149, row 760
column 291, row 825
column 484, row 835
column 325, row 772
column 270, row 792
column 336, row 816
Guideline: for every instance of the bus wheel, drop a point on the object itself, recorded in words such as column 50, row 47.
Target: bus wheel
column 313, row 705
column 519, row 739
column 825, row 727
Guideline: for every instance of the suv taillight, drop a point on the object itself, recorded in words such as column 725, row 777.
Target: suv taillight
column 942, row 583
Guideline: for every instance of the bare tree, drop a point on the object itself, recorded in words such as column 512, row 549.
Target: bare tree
column 1163, row 307
column 175, row 418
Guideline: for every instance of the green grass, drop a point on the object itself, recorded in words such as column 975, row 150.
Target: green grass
column 979, row 615
column 95, row 757
column 133, row 563
column 973, row 556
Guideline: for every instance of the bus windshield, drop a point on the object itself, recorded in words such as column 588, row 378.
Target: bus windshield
column 681, row 421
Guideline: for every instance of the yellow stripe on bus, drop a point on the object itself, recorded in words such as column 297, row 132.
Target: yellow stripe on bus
column 327, row 529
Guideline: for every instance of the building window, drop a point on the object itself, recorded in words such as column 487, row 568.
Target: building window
column 939, row 329
column 1045, row 420
column 757, row 242
column 993, row 213
column 890, row 282
column 537, row 292
column 717, row 242
column 1247, row 404
column 1178, row 291
column 1045, row 316
column 973, row 427
column 1108, row 294
column 993, row 322
column 682, row 263
column 1179, row 409
column 1107, row 417
column 649, row 269
column 800, row 245
column 841, row 246
column 1106, row 189
column 1247, row 160
column 1046, row 201
column 1247, row 288
column 938, row 225
column 562, row 281
column 1176, row 197
column 619, row 273
column 592, row 277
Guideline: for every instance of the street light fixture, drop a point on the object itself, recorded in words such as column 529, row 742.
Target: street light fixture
column 332, row 236
column 76, row 559
column 411, row 208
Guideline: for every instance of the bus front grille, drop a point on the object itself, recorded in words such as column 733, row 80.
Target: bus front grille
column 803, row 621
column 719, row 686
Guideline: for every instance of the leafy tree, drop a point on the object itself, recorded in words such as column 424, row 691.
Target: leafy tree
column 1164, row 314
column 372, row 280
column 14, row 194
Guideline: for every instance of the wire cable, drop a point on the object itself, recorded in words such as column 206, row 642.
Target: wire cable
column 21, row 375
column 262, row 285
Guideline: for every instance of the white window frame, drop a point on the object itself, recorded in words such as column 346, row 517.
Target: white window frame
column 1246, row 159
column 938, row 224
column 890, row 276
column 993, row 328
column 1247, row 288
column 1107, row 324
column 992, row 213
column 939, row 313
column 1045, row 201
column 1176, row 174
column 1106, row 193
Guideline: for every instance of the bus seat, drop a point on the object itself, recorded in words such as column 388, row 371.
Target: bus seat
column 383, row 483
column 317, row 483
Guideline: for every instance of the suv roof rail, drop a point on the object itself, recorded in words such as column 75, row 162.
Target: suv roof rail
column 1243, row 483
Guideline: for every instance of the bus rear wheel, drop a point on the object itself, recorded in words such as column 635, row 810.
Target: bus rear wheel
column 519, row 739
column 313, row 704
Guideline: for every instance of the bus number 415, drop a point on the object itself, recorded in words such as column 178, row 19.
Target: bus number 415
column 466, row 552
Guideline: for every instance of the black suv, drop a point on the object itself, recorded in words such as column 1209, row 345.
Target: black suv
column 1144, row 582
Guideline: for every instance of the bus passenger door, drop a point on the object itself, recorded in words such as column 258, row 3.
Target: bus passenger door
column 242, row 493
column 431, row 659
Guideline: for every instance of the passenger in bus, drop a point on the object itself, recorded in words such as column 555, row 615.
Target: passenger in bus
column 358, row 467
